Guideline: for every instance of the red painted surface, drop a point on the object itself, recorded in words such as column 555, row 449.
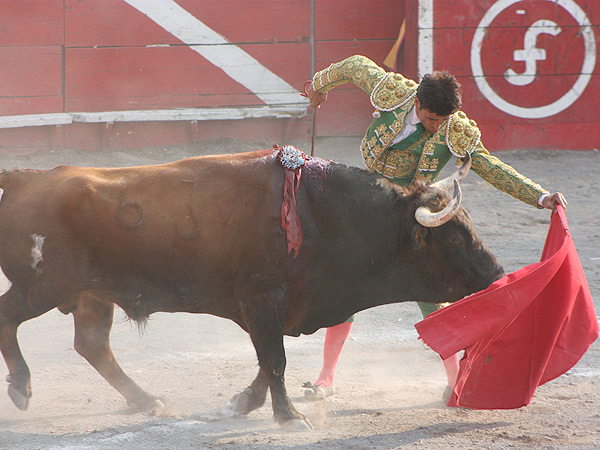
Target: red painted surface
column 358, row 20
column 31, row 22
column 577, row 127
column 107, row 56
column 31, row 82
column 26, row 140
column 104, row 55
column 130, row 78
column 92, row 23
column 362, row 30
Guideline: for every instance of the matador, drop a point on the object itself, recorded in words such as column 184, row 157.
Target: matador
column 408, row 142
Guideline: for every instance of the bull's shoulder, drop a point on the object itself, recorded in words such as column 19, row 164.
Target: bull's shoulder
column 362, row 187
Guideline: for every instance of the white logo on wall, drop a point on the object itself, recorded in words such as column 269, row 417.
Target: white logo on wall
column 530, row 54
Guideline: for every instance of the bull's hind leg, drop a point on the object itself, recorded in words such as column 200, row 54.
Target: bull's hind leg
column 13, row 312
column 93, row 323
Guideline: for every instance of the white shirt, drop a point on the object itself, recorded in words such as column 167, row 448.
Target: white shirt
column 410, row 126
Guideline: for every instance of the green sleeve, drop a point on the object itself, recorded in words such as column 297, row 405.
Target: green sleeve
column 357, row 69
column 504, row 178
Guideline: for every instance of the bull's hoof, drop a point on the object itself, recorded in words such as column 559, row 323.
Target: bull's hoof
column 155, row 408
column 149, row 405
column 228, row 412
column 19, row 398
column 241, row 404
column 146, row 404
column 302, row 424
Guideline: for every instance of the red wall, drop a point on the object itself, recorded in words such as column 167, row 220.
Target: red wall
column 577, row 126
column 88, row 56
column 85, row 56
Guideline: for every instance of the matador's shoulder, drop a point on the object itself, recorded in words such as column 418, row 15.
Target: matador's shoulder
column 462, row 134
column 392, row 92
column 388, row 90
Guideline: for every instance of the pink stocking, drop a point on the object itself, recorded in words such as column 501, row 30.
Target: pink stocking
column 451, row 366
column 334, row 342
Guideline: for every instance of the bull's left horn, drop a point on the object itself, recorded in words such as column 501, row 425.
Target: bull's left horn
column 458, row 175
column 429, row 219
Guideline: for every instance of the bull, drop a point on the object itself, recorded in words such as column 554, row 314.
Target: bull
column 205, row 235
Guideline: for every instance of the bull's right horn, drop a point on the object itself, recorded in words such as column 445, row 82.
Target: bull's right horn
column 429, row 219
column 458, row 175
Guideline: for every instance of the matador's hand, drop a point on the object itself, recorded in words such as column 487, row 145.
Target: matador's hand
column 551, row 201
column 316, row 98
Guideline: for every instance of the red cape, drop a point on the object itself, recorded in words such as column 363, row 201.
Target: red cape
column 526, row 329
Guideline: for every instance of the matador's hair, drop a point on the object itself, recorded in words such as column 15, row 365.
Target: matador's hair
column 440, row 93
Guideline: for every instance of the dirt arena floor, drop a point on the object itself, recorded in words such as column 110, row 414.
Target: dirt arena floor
column 389, row 385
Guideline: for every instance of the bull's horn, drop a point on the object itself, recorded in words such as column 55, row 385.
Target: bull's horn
column 458, row 175
column 430, row 219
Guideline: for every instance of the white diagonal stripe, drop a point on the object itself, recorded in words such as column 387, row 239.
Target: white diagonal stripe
column 235, row 62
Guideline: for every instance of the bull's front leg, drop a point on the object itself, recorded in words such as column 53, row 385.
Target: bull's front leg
column 265, row 326
column 268, row 342
column 272, row 362
column 251, row 398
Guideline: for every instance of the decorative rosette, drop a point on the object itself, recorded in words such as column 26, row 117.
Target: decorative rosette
column 291, row 158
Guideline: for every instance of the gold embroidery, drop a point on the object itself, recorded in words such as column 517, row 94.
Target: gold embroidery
column 429, row 148
column 378, row 167
column 371, row 155
column 396, row 125
column 505, row 178
column 400, row 93
column 386, row 138
column 357, row 69
column 400, row 163
column 429, row 165
column 462, row 134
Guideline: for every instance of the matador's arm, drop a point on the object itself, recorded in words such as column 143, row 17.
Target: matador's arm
column 387, row 90
column 505, row 178
column 357, row 69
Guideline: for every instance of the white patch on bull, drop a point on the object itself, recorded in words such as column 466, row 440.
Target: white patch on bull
column 5, row 283
column 36, row 250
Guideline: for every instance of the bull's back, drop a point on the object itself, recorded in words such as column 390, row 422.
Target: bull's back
column 197, row 216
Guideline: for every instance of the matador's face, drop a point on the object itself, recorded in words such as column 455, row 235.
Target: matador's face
column 429, row 120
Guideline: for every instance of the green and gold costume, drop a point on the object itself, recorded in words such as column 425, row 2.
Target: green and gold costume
column 421, row 156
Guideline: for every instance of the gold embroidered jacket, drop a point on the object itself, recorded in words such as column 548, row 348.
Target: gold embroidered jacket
column 393, row 96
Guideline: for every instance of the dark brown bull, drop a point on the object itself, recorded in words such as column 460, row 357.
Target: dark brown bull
column 204, row 235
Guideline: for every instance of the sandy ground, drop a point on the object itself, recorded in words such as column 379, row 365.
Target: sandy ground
column 389, row 385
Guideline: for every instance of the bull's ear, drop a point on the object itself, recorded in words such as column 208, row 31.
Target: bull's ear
column 419, row 235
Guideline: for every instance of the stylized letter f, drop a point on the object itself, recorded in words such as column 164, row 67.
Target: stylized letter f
column 530, row 53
